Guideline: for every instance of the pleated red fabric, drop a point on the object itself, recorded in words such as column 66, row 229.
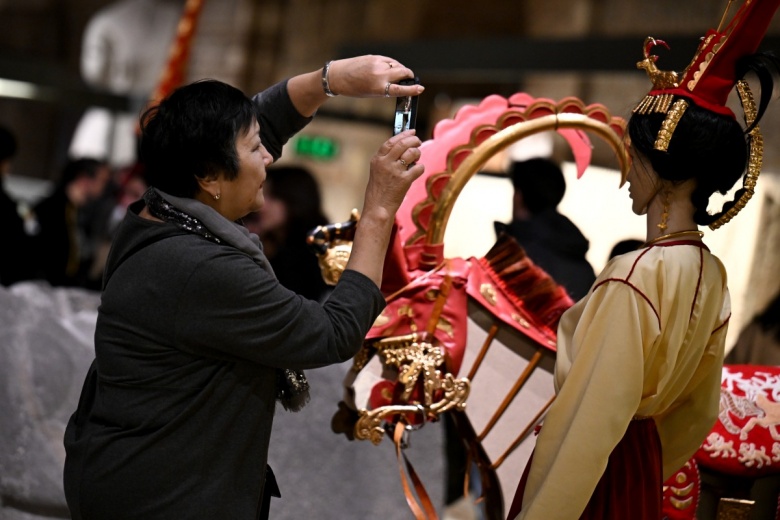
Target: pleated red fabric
column 632, row 484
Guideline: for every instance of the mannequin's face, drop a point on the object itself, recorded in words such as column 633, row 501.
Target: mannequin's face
column 643, row 182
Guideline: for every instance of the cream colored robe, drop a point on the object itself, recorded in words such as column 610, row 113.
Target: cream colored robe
column 647, row 340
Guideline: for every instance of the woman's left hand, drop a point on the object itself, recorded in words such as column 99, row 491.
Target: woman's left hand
column 362, row 76
column 369, row 76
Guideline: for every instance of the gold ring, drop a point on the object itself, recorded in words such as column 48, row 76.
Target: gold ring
column 402, row 161
column 387, row 90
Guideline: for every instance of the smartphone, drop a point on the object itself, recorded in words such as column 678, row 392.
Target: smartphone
column 405, row 109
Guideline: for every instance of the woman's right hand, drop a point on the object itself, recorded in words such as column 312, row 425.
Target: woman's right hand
column 393, row 169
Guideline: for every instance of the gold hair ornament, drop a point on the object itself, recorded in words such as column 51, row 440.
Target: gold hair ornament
column 659, row 78
column 756, row 155
column 669, row 125
column 660, row 103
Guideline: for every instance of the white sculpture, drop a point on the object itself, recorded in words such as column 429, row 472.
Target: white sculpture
column 124, row 49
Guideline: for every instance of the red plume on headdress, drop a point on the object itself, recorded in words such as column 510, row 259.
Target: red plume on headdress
column 711, row 75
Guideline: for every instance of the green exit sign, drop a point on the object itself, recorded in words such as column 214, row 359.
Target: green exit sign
column 316, row 147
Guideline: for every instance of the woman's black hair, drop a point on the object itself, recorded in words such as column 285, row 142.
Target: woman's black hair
column 708, row 147
column 192, row 134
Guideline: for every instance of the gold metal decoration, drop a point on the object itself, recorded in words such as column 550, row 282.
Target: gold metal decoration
column 369, row 425
column 669, row 125
column 488, row 292
column 661, row 103
column 703, row 45
column 756, row 155
column 706, row 63
column 682, row 490
column 408, row 311
column 661, row 79
column 415, row 360
column 734, row 509
column 522, row 321
column 334, row 246
column 334, row 261
column 664, row 213
column 654, row 104
column 362, row 358
column 445, row 326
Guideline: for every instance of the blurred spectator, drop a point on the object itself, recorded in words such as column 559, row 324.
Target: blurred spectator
column 63, row 251
column 101, row 217
column 132, row 185
column 551, row 240
column 759, row 341
column 292, row 208
column 15, row 259
column 625, row 246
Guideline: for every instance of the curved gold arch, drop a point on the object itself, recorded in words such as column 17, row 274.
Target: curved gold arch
column 500, row 140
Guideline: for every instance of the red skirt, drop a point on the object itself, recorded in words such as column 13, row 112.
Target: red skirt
column 632, row 484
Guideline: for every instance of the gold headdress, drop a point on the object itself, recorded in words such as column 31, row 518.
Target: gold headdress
column 707, row 82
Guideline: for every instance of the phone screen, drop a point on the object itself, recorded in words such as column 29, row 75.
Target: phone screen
column 405, row 109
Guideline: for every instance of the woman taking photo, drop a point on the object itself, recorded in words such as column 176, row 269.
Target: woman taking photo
column 196, row 340
column 639, row 358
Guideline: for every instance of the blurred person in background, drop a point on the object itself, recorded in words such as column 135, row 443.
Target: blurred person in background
column 105, row 214
column 63, row 251
column 625, row 246
column 549, row 238
column 759, row 342
column 292, row 209
column 15, row 259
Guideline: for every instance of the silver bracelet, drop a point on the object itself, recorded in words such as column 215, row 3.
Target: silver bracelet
column 325, row 84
